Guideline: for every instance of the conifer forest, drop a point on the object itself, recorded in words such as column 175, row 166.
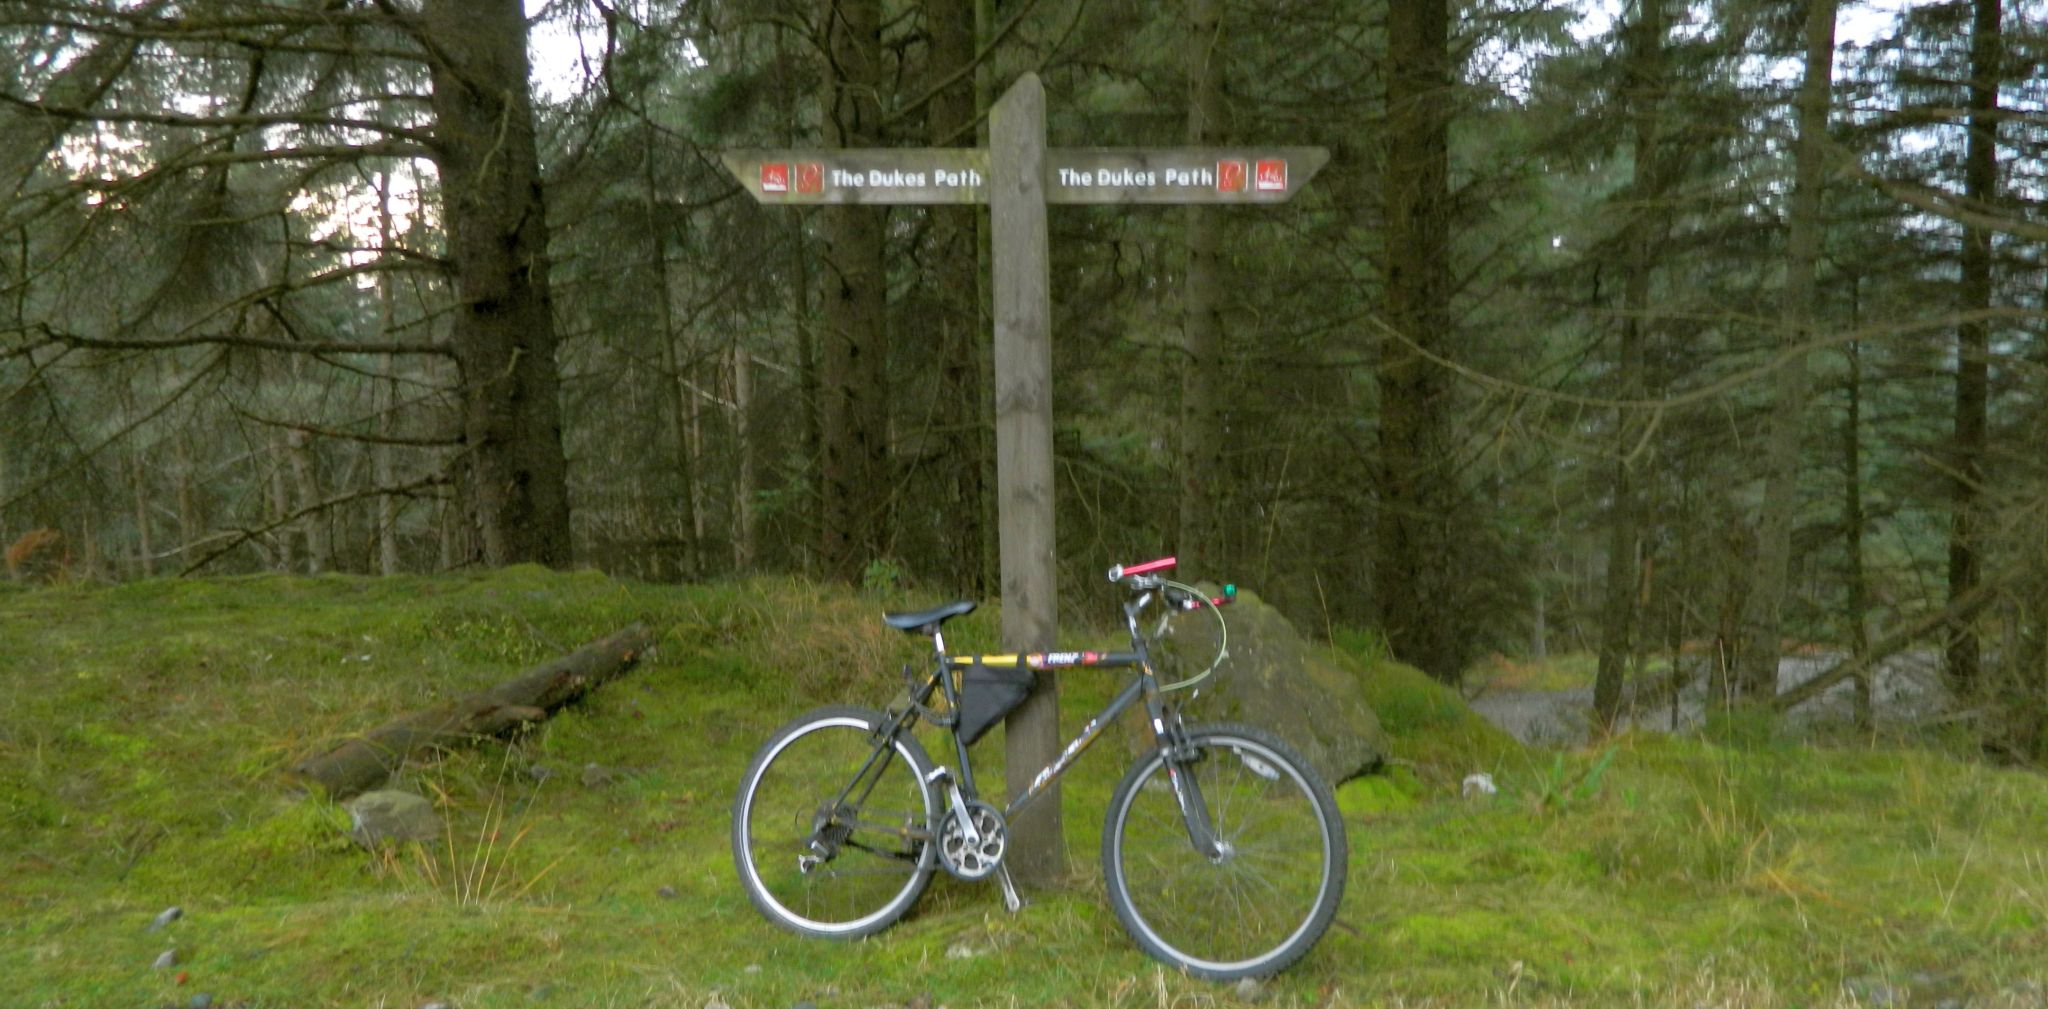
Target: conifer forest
column 1686, row 335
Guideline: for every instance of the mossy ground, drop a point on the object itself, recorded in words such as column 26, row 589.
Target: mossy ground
column 146, row 727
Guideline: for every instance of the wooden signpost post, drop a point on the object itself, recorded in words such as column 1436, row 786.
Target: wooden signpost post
column 1017, row 176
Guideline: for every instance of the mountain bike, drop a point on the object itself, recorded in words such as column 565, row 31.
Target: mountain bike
column 1222, row 850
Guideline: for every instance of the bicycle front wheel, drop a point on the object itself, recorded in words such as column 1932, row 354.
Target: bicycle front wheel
column 831, row 827
column 1260, row 903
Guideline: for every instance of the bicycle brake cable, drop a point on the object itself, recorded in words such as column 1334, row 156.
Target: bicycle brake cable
column 1222, row 632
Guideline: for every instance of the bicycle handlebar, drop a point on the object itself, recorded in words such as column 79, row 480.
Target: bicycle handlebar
column 1122, row 571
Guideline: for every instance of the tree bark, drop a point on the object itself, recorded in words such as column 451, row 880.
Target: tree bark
column 314, row 525
column 1411, row 575
column 1857, row 601
column 955, row 281
column 503, row 336
column 743, row 548
column 1763, row 617
column 365, row 761
column 1973, row 341
column 853, row 377
column 1200, row 543
column 383, row 468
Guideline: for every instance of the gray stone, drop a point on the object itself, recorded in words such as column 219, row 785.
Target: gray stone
column 961, row 951
column 1277, row 681
column 166, row 960
column 540, row 772
column 437, row 1005
column 387, row 817
column 165, row 917
column 598, row 776
column 1249, row 989
column 753, row 968
column 201, row 1001
column 666, row 893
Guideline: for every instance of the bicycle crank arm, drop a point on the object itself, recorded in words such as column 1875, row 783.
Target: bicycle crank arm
column 1011, row 901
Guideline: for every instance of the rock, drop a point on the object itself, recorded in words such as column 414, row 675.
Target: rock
column 753, row 968
column 165, row 917
column 437, row 1005
column 598, row 776
column 714, row 1002
column 540, row 772
column 388, row 816
column 666, row 893
column 1277, row 681
column 1249, row 989
column 201, row 1001
column 961, row 951
column 166, row 960
column 1479, row 786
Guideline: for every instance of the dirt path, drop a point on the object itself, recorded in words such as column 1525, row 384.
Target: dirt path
column 1908, row 689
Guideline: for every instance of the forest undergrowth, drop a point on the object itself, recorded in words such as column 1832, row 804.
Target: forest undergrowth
column 148, row 725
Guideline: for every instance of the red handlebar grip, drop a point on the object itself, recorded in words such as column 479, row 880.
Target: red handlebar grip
column 1148, row 567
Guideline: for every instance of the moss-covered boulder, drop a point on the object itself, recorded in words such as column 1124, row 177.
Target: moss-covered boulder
column 1274, row 679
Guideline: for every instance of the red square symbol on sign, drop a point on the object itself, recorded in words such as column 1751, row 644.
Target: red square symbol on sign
column 1230, row 176
column 1272, row 176
column 810, row 177
column 775, row 177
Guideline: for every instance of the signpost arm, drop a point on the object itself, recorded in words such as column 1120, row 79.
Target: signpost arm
column 1024, row 481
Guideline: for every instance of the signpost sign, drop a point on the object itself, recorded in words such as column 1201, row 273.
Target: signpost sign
column 1018, row 176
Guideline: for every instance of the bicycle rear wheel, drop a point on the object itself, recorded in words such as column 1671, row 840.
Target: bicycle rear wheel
column 829, row 829
column 1267, row 898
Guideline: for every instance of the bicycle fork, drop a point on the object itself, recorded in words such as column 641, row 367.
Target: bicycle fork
column 1179, row 758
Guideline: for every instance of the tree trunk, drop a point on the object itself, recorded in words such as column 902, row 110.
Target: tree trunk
column 1200, row 543
column 364, row 761
column 281, row 503
column 503, row 335
column 1757, row 678
column 1411, row 576
column 676, row 396
column 954, row 278
column 1973, row 341
column 743, row 440
column 1648, row 222
column 1857, row 602
column 853, row 377
column 145, row 546
column 383, row 470
column 313, row 526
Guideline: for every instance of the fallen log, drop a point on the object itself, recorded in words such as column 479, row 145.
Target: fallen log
column 1963, row 607
column 363, row 762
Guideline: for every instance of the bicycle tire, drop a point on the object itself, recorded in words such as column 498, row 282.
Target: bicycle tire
column 1277, row 815
column 791, row 778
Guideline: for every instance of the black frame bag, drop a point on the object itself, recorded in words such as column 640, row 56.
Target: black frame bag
column 987, row 693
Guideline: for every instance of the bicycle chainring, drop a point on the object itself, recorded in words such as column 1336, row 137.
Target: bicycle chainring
column 976, row 860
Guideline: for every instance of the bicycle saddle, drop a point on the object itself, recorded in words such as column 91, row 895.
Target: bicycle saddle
column 927, row 621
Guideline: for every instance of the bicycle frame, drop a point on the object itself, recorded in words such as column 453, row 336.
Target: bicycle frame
column 1163, row 717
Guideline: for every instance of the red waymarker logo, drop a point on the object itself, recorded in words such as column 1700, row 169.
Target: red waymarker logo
column 1272, row 176
column 775, row 177
column 1230, row 176
column 810, row 177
